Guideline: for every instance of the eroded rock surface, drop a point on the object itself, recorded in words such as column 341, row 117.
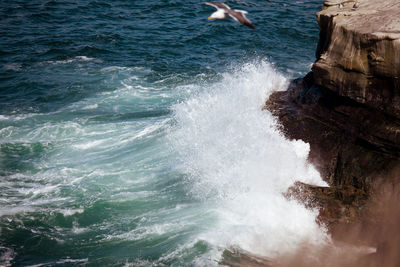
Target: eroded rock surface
column 348, row 107
column 358, row 54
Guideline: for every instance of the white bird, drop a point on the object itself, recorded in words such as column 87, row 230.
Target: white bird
column 224, row 11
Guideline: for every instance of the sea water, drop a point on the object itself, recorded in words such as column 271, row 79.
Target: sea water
column 132, row 132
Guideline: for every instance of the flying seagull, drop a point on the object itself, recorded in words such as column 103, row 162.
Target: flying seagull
column 224, row 11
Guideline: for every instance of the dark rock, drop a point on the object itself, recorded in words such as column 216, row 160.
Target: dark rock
column 348, row 110
column 351, row 144
column 348, row 107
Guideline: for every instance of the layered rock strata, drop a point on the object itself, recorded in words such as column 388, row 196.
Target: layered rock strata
column 348, row 107
column 358, row 54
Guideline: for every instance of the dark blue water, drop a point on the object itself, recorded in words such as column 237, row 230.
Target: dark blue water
column 108, row 117
column 166, row 37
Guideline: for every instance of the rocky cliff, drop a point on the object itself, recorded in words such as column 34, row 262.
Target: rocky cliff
column 348, row 106
column 358, row 54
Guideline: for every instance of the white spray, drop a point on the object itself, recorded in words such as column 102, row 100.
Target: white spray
column 239, row 164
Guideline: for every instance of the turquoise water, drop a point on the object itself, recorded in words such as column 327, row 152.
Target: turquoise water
column 131, row 132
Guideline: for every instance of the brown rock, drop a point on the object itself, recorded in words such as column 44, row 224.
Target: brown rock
column 358, row 54
column 352, row 145
column 344, row 135
column 348, row 107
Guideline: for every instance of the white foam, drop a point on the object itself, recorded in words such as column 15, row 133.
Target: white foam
column 41, row 190
column 6, row 132
column 119, row 68
column 72, row 60
column 239, row 164
column 78, row 230
column 13, row 66
column 146, row 132
column 56, row 131
column 147, row 232
column 3, row 118
column 6, row 256
column 114, row 68
column 62, row 261
column 94, row 106
column 88, row 144
column 12, row 210
column 70, row 212
column 21, row 116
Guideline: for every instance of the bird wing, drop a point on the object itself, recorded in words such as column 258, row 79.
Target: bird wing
column 218, row 5
column 239, row 16
column 241, row 11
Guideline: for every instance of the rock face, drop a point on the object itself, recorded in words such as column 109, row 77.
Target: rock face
column 348, row 107
column 359, row 52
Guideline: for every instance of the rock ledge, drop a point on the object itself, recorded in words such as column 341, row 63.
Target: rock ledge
column 358, row 54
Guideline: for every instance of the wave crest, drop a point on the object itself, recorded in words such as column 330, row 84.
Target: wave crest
column 238, row 162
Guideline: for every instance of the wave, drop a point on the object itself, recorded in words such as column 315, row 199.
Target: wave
column 239, row 164
column 72, row 60
column 109, row 149
column 12, row 67
column 6, row 256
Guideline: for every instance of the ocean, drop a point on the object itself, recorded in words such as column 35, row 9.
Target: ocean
column 132, row 132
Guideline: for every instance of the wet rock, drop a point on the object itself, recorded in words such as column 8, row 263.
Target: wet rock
column 337, row 205
column 348, row 107
column 352, row 145
column 345, row 136
column 236, row 257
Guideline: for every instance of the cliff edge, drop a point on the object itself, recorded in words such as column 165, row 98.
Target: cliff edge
column 358, row 54
column 348, row 107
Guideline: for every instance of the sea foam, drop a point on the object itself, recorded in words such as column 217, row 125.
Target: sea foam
column 239, row 164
